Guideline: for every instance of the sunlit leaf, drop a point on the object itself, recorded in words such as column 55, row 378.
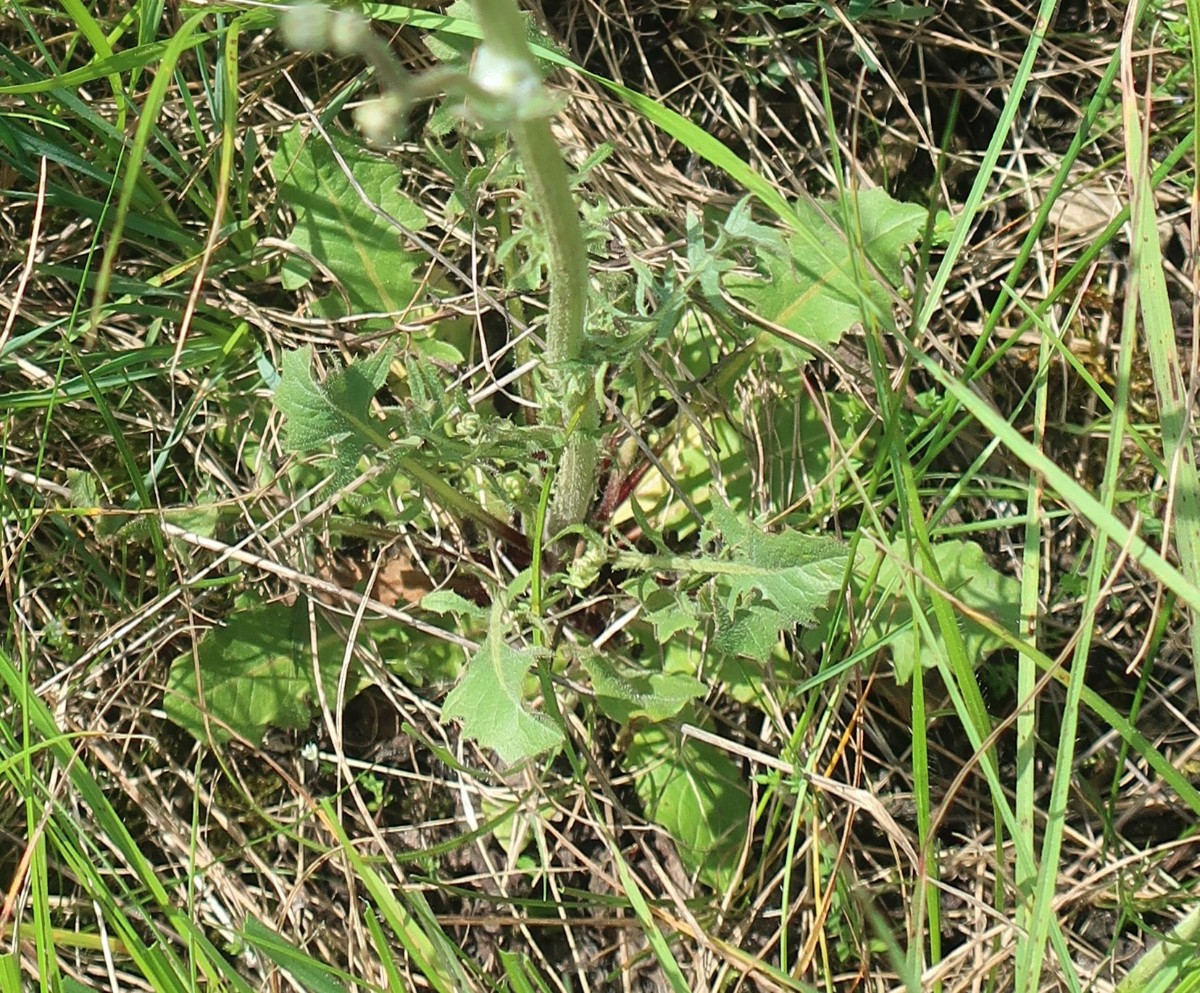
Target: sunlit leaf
column 758, row 585
column 764, row 584
column 817, row 287
column 350, row 216
column 335, row 414
column 968, row 578
column 252, row 673
column 624, row 692
column 695, row 792
column 489, row 700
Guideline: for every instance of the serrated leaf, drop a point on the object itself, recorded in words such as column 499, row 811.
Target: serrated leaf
column 85, row 494
column 764, row 584
column 433, row 402
column 490, row 702
column 696, row 793
column 351, row 236
column 814, row 288
column 750, row 632
column 794, row 571
column 625, row 693
column 255, row 672
column 334, row 415
column 760, row 585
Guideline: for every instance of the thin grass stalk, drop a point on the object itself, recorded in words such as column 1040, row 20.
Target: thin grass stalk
column 987, row 168
column 975, row 364
column 1068, row 489
column 1174, row 399
column 926, row 895
column 968, row 705
column 825, row 707
column 1188, row 794
column 225, row 110
column 794, row 843
column 630, row 887
column 96, row 37
column 86, row 861
column 180, row 42
column 39, row 890
column 893, row 449
column 1031, row 952
column 1099, row 103
column 1027, row 673
column 411, row 922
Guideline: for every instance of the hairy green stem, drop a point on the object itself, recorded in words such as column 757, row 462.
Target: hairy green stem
column 549, row 190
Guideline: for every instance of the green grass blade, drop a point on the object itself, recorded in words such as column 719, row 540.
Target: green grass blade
column 100, row 43
column 1026, row 724
column 1170, row 964
column 987, row 168
column 86, row 850
column 1148, row 282
column 137, row 152
column 413, row 926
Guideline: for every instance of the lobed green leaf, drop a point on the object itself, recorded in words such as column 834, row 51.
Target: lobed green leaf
column 820, row 284
column 489, row 700
column 350, row 216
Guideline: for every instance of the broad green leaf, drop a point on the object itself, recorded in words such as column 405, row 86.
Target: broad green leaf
column 695, row 792
column 335, row 414
column 489, row 700
column 750, row 632
column 202, row 518
column 624, row 692
column 352, row 236
column 688, row 464
column 799, row 462
column 794, row 571
column 967, row 576
column 85, row 494
column 760, row 684
column 816, row 287
column 759, row 585
column 255, row 673
column 420, row 659
column 765, row 584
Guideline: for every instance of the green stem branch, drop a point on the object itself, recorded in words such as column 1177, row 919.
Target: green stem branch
column 504, row 35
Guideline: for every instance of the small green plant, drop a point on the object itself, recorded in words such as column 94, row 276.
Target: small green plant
column 502, row 87
column 717, row 611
